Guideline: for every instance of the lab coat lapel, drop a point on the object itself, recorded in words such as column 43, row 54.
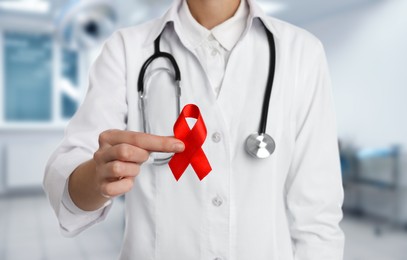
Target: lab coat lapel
column 245, row 80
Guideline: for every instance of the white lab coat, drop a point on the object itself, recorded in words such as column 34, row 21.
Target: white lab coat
column 285, row 207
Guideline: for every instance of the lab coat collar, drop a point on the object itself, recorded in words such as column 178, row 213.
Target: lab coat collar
column 257, row 12
column 192, row 30
column 171, row 17
column 227, row 34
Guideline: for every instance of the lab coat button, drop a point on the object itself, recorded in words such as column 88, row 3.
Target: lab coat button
column 217, row 201
column 214, row 52
column 216, row 137
column 217, row 258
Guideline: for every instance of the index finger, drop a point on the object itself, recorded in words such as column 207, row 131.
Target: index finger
column 149, row 142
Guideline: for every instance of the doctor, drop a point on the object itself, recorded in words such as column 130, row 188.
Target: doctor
column 285, row 207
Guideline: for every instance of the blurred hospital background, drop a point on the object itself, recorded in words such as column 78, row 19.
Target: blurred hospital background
column 46, row 48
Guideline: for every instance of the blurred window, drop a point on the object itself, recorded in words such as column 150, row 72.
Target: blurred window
column 70, row 75
column 32, row 79
column 27, row 77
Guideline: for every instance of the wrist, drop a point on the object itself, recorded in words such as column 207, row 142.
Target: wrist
column 84, row 189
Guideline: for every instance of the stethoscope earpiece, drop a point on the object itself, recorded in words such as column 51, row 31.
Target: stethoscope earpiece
column 260, row 146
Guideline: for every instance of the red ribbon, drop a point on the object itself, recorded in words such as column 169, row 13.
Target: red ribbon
column 193, row 140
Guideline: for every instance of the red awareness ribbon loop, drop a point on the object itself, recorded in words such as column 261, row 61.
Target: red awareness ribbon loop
column 193, row 140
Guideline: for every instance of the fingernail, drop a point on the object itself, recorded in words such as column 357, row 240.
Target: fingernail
column 178, row 147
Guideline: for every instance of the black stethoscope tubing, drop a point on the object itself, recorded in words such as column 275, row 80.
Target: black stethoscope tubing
column 270, row 80
column 157, row 54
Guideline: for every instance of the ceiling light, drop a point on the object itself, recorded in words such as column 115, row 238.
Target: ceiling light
column 37, row 7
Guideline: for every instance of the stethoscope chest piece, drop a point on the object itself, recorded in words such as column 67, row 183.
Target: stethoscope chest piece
column 260, row 145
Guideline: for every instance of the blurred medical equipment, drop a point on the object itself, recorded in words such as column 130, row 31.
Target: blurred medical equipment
column 82, row 24
column 259, row 145
column 372, row 179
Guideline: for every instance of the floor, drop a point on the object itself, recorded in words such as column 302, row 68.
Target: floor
column 29, row 230
column 364, row 242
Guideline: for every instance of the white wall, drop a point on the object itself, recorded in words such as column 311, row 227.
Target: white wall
column 367, row 53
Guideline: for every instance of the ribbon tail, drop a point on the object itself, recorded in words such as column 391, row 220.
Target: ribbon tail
column 178, row 164
column 200, row 164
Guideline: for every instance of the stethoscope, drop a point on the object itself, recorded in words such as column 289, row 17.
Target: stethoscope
column 259, row 145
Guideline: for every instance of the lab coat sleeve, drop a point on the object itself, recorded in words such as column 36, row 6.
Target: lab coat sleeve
column 314, row 192
column 104, row 108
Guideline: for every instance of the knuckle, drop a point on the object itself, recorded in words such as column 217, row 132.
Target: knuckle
column 104, row 137
column 117, row 168
column 97, row 156
column 124, row 153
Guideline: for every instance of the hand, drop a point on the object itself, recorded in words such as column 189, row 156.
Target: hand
column 120, row 155
column 115, row 165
